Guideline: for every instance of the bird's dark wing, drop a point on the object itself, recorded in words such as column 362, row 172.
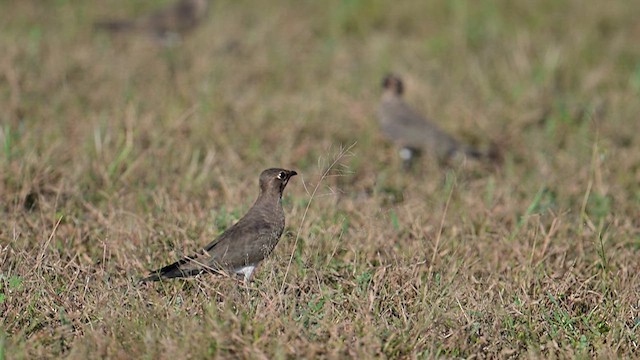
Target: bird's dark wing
column 115, row 26
column 187, row 266
column 246, row 243
column 408, row 128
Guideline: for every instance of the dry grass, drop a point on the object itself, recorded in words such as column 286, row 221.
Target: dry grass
column 117, row 156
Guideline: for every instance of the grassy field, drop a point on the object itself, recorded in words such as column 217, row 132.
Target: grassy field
column 118, row 156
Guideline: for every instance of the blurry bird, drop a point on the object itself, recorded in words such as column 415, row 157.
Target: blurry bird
column 166, row 24
column 245, row 244
column 413, row 133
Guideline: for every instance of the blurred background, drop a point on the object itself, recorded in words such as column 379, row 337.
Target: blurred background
column 120, row 151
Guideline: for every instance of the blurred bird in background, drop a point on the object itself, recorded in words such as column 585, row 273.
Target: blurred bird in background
column 167, row 25
column 413, row 133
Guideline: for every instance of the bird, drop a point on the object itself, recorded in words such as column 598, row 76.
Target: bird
column 239, row 249
column 413, row 133
column 165, row 24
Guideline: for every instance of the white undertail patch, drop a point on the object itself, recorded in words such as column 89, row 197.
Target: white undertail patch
column 406, row 154
column 246, row 271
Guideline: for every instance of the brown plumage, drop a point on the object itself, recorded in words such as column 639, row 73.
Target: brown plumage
column 245, row 244
column 410, row 131
column 163, row 24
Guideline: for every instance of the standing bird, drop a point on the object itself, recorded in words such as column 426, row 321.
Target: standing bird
column 411, row 132
column 245, row 244
column 164, row 24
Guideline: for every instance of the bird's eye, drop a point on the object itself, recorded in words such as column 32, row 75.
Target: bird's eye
column 282, row 175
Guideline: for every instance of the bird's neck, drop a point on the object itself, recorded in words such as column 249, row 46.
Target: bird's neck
column 269, row 197
column 390, row 95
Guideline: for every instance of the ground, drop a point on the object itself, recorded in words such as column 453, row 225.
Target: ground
column 119, row 156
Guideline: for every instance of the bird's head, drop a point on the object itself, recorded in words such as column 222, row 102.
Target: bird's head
column 273, row 181
column 393, row 83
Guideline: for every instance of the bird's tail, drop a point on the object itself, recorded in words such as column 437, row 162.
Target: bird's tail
column 180, row 268
column 492, row 156
column 472, row 152
column 115, row 26
column 495, row 154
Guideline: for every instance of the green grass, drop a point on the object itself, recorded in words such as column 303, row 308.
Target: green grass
column 118, row 157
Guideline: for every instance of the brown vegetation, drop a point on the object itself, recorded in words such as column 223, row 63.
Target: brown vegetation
column 117, row 156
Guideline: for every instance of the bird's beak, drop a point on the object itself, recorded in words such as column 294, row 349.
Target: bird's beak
column 290, row 174
column 284, row 182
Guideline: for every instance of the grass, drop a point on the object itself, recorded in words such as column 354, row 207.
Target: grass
column 119, row 156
